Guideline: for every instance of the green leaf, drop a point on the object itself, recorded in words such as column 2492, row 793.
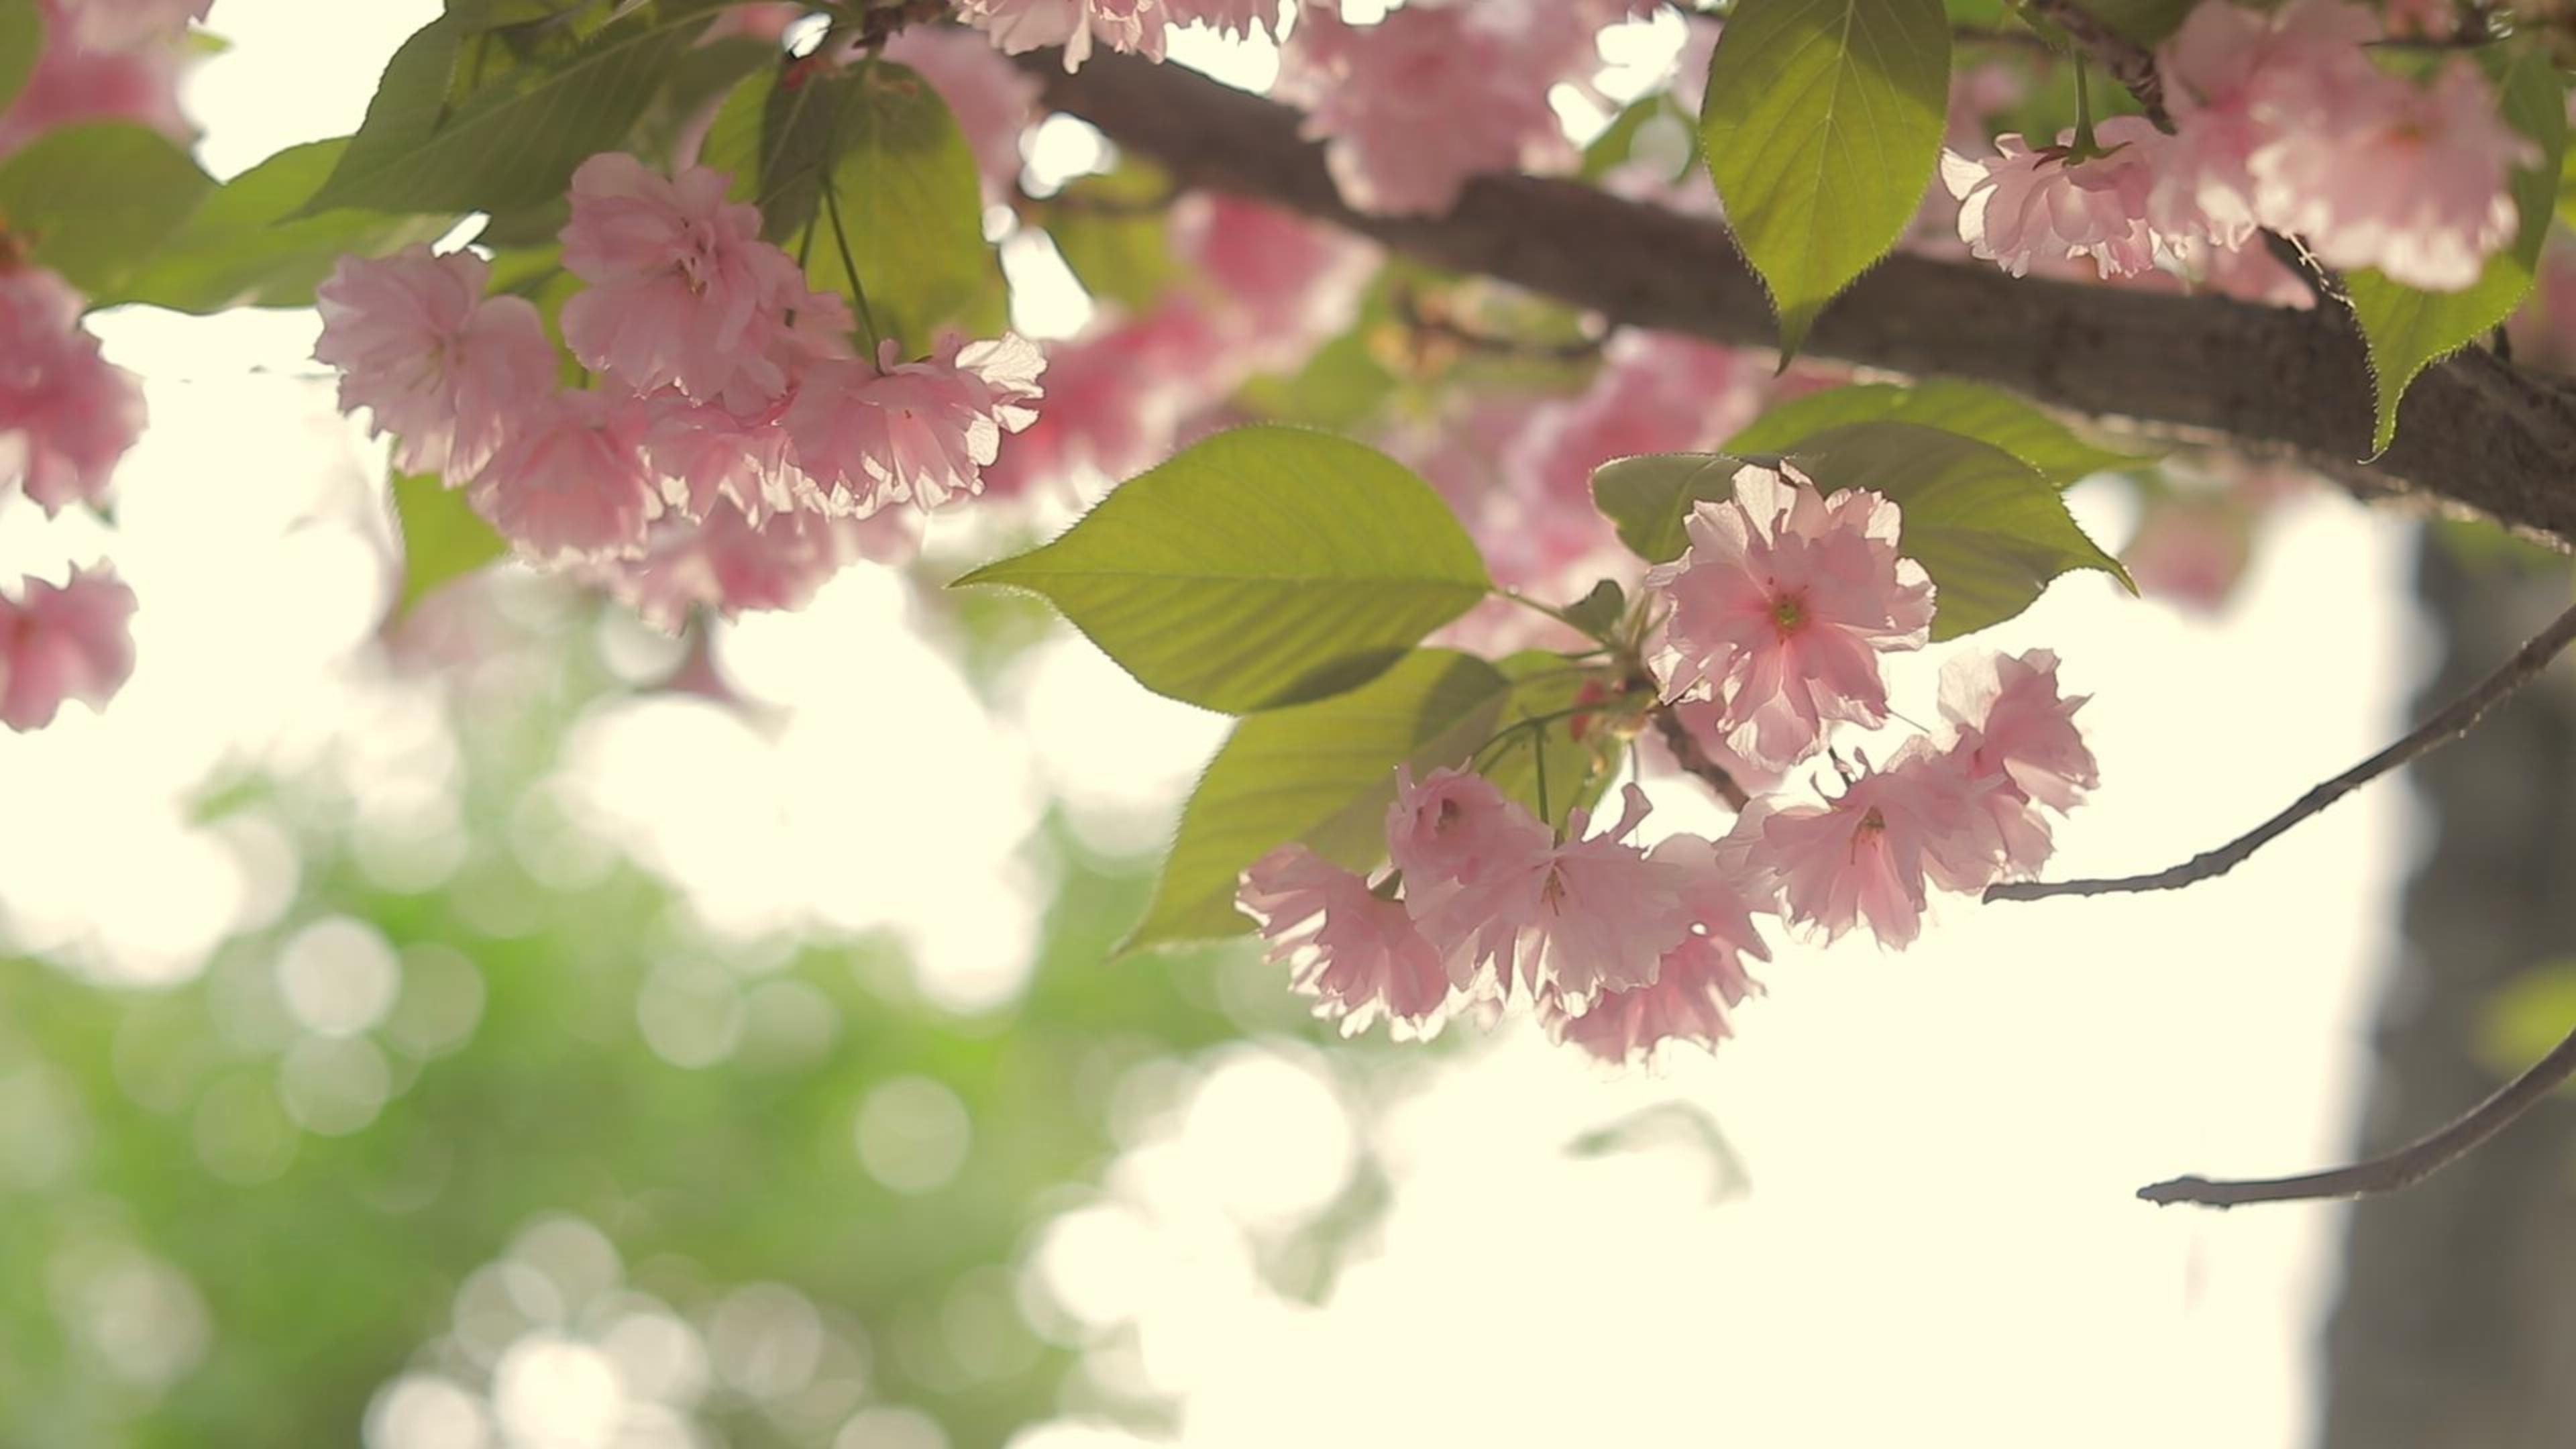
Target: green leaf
column 1577, row 772
column 1110, row 229
column 1262, row 567
column 1969, row 409
column 97, row 197
column 1988, row 528
column 2526, row 1019
column 1599, row 612
column 22, row 39
column 904, row 186
column 1322, row 773
column 442, row 539
column 1647, row 498
column 1822, row 124
column 240, row 250
column 460, row 123
column 2407, row 330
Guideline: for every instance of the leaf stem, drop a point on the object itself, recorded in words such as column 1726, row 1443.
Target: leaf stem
column 858, row 292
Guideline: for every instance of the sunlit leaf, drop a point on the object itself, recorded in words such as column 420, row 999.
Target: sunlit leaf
column 442, row 539
column 1648, row 498
column 96, row 198
column 241, row 250
column 1261, row 567
column 1970, row 409
column 1821, row 127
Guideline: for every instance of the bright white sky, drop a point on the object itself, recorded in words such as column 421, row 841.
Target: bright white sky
column 1939, row 1244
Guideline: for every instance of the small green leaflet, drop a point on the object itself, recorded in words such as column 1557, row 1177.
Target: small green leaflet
column 22, row 38
column 1648, row 498
column 239, row 250
column 1324, row 773
column 1262, row 567
column 98, row 197
column 1821, row 126
column 442, row 539
column 903, row 184
column 1969, row 409
column 1989, row 530
column 2408, row 330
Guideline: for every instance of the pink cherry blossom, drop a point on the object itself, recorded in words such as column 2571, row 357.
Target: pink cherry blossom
column 1700, row 979
column 2019, row 747
column 1278, row 285
column 1411, row 107
column 1024, row 25
column 1867, row 857
column 572, row 480
column 993, row 100
column 1600, row 916
column 1355, row 951
column 683, row 292
column 103, row 60
column 67, row 415
column 1780, row 608
column 66, row 642
column 447, row 370
column 911, row 432
column 729, row 564
column 2025, row 204
column 2191, row 549
column 2412, row 180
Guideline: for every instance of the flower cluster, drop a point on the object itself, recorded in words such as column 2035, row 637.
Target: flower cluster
column 1775, row 618
column 2281, row 120
column 734, row 449
column 67, row 414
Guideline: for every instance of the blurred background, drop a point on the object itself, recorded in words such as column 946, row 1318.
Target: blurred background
column 521, row 1028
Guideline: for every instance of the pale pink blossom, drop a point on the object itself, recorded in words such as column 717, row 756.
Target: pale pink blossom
column 2023, row 205
column 1700, row 979
column 1869, row 856
column 1468, row 856
column 2191, row 549
column 1024, row 25
column 1116, row 398
column 993, row 100
column 1780, row 608
column 572, row 481
column 2413, row 180
column 2018, row 746
column 67, row 415
column 1356, row 952
column 444, row 368
column 103, row 60
column 683, row 292
column 911, row 432
column 728, row 564
column 1411, row 107
column 66, row 642
column 1278, row 285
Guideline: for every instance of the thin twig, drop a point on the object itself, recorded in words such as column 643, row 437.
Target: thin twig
column 2122, row 59
column 2404, row 1167
column 2455, row 720
column 1695, row 761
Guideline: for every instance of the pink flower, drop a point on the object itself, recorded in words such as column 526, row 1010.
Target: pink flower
column 911, row 432
column 683, row 292
column 64, row 643
column 67, row 415
column 103, row 60
column 992, row 99
column 1700, row 978
column 1024, row 25
column 572, row 481
column 1412, row 106
column 729, row 564
column 2018, row 745
column 2022, row 204
column 1116, row 399
column 1602, row 914
column 1279, row 284
column 1867, row 857
column 2410, row 179
column 2191, row 549
column 1356, row 952
column 1780, row 608
column 447, row 370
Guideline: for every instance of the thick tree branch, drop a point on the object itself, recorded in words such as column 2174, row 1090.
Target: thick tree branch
column 2455, row 720
column 2475, row 430
column 2405, row 1167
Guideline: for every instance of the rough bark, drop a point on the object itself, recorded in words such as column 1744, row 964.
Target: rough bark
column 2475, row 430
column 2457, row 1319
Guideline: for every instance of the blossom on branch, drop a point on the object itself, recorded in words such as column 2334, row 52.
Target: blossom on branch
column 67, row 414
column 911, row 432
column 446, row 369
column 1357, row 952
column 60, row 642
column 2047, row 204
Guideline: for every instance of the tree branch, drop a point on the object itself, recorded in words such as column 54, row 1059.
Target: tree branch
column 2405, row 1167
column 2455, row 720
column 1694, row 761
column 2209, row 369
